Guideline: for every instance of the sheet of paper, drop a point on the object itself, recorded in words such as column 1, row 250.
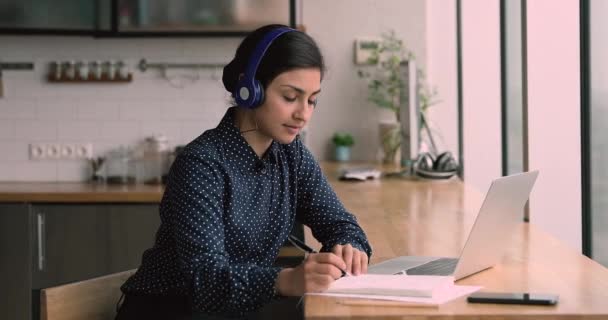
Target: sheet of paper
column 391, row 285
column 444, row 295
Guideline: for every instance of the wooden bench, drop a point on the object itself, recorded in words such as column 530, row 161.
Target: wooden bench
column 93, row 299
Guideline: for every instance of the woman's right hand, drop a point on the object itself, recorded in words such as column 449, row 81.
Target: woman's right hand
column 314, row 274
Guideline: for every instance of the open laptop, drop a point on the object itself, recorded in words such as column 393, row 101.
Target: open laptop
column 498, row 217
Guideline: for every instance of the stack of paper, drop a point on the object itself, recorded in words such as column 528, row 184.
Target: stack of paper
column 391, row 285
column 410, row 290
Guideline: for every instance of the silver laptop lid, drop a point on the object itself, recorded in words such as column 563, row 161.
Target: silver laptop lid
column 499, row 216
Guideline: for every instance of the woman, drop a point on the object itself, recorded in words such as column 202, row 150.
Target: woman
column 234, row 194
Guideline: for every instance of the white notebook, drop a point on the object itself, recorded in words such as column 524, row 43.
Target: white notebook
column 391, row 285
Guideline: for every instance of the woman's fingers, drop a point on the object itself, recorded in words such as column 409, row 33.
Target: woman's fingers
column 356, row 260
column 320, row 270
column 364, row 262
column 327, row 263
column 347, row 255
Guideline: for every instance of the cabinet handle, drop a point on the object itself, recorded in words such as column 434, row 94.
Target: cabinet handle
column 41, row 240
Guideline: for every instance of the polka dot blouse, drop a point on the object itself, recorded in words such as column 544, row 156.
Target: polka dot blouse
column 225, row 214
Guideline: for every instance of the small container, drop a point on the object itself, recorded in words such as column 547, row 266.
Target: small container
column 122, row 69
column 70, row 69
column 110, row 71
column 156, row 158
column 120, row 166
column 56, row 70
column 97, row 69
column 83, row 70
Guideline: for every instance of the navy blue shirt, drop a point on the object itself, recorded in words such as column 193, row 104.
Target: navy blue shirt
column 226, row 213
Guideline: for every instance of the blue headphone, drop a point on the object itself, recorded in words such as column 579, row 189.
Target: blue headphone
column 248, row 92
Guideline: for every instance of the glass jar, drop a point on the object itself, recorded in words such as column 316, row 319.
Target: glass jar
column 97, row 69
column 155, row 158
column 110, row 69
column 70, row 69
column 57, row 70
column 120, row 167
column 82, row 68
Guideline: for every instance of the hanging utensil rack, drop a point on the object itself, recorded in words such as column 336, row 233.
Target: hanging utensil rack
column 145, row 65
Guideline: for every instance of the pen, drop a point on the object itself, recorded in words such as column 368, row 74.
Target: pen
column 304, row 247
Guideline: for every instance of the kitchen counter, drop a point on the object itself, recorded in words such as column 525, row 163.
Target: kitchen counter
column 83, row 192
column 78, row 192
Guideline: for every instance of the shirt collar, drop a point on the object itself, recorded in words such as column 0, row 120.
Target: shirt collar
column 233, row 142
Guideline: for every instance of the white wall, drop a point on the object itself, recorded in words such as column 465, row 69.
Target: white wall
column 481, row 92
column 442, row 72
column 554, row 117
column 343, row 104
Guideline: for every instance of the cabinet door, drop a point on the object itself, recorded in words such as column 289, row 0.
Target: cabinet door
column 200, row 16
column 15, row 261
column 78, row 242
column 70, row 243
column 55, row 15
column 132, row 230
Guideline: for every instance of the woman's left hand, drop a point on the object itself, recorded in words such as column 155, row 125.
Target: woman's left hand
column 356, row 260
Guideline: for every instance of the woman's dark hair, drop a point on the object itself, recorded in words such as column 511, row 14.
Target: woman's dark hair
column 291, row 50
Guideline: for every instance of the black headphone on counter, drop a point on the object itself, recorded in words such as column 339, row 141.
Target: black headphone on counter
column 442, row 166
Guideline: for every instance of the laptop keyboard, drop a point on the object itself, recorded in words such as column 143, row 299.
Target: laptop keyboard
column 439, row 267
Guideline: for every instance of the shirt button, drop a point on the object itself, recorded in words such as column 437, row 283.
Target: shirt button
column 263, row 171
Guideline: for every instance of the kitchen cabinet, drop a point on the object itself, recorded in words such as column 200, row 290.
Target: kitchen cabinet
column 143, row 18
column 75, row 242
column 54, row 16
column 45, row 245
column 192, row 16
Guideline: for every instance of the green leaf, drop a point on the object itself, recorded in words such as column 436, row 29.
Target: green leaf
column 343, row 139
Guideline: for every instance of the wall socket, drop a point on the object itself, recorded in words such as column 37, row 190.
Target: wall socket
column 61, row 151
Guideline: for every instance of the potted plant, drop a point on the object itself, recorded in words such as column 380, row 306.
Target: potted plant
column 343, row 142
column 385, row 84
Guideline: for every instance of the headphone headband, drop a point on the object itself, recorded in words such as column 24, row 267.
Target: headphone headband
column 260, row 50
column 249, row 92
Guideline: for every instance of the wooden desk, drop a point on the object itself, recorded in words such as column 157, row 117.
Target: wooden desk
column 404, row 217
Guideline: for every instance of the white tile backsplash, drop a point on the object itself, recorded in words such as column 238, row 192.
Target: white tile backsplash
column 139, row 110
column 7, row 172
column 85, row 131
column 13, row 152
column 126, row 131
column 57, row 109
column 192, row 129
column 18, row 109
column 75, row 170
column 105, row 114
column 36, row 171
column 28, row 130
column 171, row 129
column 7, row 130
column 98, row 110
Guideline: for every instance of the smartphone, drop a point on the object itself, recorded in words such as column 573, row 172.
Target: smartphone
column 513, row 298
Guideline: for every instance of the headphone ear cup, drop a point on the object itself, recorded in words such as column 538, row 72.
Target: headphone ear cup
column 258, row 95
column 249, row 95
column 242, row 93
column 444, row 162
column 451, row 165
column 426, row 161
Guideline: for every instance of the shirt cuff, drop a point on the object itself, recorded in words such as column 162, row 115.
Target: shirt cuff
column 275, row 291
